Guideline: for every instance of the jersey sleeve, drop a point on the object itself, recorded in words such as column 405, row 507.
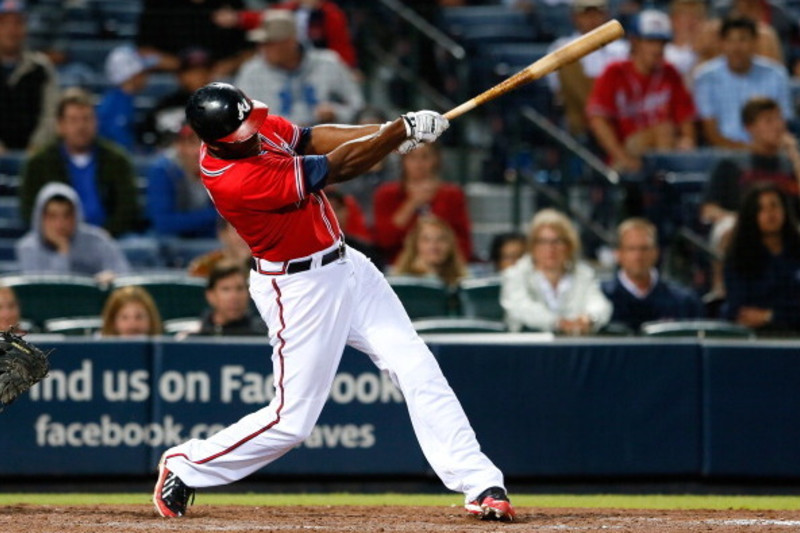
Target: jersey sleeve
column 291, row 133
column 282, row 181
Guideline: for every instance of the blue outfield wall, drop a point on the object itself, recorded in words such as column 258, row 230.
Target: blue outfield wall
column 565, row 408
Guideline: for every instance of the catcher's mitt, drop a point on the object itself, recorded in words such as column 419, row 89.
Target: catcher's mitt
column 22, row 365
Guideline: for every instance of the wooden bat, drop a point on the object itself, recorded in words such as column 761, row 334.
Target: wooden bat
column 572, row 51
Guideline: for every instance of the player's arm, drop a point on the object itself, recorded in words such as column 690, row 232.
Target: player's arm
column 324, row 139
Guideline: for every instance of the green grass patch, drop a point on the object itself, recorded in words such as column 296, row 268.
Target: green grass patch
column 520, row 500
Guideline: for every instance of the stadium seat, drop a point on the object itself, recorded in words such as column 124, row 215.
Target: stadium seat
column 43, row 297
column 176, row 295
column 7, row 250
column 181, row 325
column 93, row 52
column 456, row 20
column 74, row 326
column 696, row 328
column 11, row 163
column 458, row 325
column 480, row 298
column 142, row 252
column 179, row 253
column 701, row 160
column 422, row 297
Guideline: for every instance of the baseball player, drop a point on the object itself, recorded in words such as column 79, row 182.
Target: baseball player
column 316, row 294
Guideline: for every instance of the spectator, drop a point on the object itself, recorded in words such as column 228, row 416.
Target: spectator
column 773, row 156
column 98, row 170
column 9, row 310
column 506, row 249
column 762, row 265
column 305, row 85
column 641, row 104
column 767, row 42
column 166, row 119
column 551, row 289
column 420, row 191
column 126, row 71
column 691, row 43
column 229, row 301
column 177, row 202
column 233, row 248
column 59, row 241
column 638, row 293
column 167, row 28
column 28, row 85
column 430, row 250
column 574, row 82
column 723, row 85
column 131, row 312
column 320, row 23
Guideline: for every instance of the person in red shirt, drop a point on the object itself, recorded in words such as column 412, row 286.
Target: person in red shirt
column 316, row 295
column 321, row 23
column 641, row 103
column 420, row 191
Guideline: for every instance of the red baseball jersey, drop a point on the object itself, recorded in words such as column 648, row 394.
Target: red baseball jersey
column 633, row 101
column 267, row 197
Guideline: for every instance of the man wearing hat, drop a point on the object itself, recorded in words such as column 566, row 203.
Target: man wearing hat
column 573, row 83
column 126, row 71
column 641, row 103
column 28, row 85
column 306, row 85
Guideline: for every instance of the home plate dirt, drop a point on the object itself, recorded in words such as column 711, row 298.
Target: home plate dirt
column 383, row 519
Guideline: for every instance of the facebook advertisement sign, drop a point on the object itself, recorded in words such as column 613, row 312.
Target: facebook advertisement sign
column 111, row 407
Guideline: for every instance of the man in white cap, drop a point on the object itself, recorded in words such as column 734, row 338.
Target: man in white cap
column 126, row 71
column 307, row 86
column 573, row 83
column 641, row 103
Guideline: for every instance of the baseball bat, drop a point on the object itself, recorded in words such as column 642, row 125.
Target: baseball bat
column 572, row 51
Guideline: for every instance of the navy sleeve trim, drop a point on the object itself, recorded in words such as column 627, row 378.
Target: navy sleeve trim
column 302, row 142
column 315, row 172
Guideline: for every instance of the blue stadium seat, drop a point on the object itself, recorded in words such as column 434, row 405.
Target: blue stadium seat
column 179, row 252
column 142, row 252
column 93, row 52
column 7, row 251
column 456, row 19
column 701, row 160
column 11, row 162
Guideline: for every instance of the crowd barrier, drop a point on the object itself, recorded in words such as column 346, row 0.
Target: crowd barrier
column 557, row 408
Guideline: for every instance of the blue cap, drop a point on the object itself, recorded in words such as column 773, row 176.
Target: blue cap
column 652, row 24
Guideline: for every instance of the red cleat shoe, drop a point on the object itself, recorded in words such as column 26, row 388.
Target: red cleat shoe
column 492, row 504
column 171, row 495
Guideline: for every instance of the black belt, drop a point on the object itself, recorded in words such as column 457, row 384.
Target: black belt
column 301, row 265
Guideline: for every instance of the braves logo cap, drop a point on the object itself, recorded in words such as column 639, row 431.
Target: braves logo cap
column 652, row 24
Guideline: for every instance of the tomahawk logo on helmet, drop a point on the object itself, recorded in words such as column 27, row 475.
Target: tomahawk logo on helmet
column 221, row 113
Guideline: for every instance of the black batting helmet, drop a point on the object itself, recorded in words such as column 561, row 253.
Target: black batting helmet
column 221, row 113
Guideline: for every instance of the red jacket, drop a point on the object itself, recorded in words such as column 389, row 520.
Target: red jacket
column 449, row 204
column 327, row 28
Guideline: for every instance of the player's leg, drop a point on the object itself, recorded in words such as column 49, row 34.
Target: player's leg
column 308, row 315
column 381, row 328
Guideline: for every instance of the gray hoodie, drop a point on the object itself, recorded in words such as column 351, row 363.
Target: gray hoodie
column 92, row 251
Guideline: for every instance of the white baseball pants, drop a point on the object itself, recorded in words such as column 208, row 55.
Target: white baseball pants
column 311, row 316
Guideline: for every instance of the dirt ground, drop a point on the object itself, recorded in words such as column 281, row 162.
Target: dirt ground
column 142, row 518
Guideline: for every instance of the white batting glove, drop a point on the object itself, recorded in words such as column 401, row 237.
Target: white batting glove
column 424, row 126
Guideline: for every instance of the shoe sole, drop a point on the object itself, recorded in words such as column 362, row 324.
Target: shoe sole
column 162, row 509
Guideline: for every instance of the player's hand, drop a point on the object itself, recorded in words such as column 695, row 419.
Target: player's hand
column 424, row 126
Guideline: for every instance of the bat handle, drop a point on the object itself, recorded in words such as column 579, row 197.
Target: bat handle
column 456, row 112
